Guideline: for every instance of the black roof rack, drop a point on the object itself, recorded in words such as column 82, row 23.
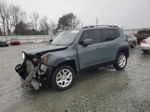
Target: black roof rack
column 94, row 26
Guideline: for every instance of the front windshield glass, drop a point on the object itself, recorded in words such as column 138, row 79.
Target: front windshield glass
column 65, row 37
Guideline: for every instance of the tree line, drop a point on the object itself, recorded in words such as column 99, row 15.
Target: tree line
column 15, row 21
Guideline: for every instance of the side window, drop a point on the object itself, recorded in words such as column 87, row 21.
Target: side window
column 110, row 34
column 95, row 35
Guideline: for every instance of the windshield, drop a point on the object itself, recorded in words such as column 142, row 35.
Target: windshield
column 65, row 37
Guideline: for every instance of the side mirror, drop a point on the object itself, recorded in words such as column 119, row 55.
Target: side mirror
column 86, row 42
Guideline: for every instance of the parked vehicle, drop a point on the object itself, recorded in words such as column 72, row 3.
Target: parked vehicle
column 14, row 42
column 142, row 34
column 3, row 44
column 38, row 41
column 145, row 45
column 70, row 52
column 132, row 40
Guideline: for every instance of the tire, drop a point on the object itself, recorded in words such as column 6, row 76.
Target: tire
column 121, row 61
column 62, row 83
column 145, row 51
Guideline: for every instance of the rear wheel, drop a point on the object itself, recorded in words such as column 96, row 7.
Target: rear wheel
column 121, row 61
column 63, row 77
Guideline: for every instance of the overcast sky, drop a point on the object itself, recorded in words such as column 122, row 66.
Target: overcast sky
column 126, row 13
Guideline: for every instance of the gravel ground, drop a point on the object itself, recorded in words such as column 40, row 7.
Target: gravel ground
column 101, row 90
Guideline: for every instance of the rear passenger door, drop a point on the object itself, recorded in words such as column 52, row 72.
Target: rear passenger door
column 110, row 43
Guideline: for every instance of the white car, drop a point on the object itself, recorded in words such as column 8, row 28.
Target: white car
column 145, row 45
column 38, row 41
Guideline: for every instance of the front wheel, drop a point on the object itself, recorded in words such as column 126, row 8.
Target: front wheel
column 63, row 77
column 121, row 61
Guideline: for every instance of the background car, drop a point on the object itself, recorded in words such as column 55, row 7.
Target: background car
column 14, row 42
column 38, row 41
column 132, row 40
column 145, row 45
column 3, row 44
column 142, row 34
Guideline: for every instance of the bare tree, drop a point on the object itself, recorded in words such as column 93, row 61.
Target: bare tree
column 44, row 25
column 8, row 19
column 34, row 20
column 2, row 15
column 52, row 27
column 17, row 15
column 75, row 22
column 10, row 16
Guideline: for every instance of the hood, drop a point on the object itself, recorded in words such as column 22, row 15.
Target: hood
column 44, row 49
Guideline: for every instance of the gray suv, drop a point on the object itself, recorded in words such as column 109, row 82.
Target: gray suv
column 58, row 63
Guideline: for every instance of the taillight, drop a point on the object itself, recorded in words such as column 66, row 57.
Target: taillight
column 143, row 41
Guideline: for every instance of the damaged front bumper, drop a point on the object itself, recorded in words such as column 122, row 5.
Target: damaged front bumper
column 35, row 79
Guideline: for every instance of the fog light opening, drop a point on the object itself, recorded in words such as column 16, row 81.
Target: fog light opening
column 42, row 69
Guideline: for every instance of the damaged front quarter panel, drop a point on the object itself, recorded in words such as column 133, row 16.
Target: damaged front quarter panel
column 56, row 58
column 34, row 72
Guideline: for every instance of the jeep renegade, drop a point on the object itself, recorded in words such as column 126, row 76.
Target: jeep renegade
column 71, row 51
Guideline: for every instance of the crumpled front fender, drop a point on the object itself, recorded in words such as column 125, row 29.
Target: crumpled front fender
column 54, row 60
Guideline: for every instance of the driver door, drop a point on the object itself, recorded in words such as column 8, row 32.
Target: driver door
column 91, row 54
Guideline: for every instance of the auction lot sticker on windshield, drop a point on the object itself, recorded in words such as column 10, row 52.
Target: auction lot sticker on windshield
column 75, row 31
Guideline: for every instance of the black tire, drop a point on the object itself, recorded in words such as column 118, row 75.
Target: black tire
column 54, row 83
column 145, row 51
column 116, row 64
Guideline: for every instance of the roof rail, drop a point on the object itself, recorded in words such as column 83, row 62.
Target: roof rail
column 94, row 26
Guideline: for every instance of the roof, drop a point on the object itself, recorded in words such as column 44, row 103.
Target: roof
column 100, row 26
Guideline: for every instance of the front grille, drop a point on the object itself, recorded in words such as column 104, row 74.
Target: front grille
column 29, row 66
column 29, row 57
